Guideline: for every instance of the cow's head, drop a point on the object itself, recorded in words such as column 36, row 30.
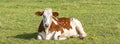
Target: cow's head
column 47, row 16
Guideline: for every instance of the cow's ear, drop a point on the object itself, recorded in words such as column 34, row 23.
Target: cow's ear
column 55, row 14
column 38, row 13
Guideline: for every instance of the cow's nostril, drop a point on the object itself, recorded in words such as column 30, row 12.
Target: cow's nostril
column 46, row 25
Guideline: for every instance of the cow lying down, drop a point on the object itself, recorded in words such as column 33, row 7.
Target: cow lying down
column 54, row 28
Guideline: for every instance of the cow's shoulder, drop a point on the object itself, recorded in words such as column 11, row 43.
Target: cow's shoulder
column 41, row 27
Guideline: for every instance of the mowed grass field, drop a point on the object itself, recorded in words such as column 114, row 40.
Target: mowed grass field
column 100, row 19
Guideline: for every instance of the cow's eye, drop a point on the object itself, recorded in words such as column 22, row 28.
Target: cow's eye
column 43, row 16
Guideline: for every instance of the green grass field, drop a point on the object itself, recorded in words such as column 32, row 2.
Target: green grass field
column 100, row 19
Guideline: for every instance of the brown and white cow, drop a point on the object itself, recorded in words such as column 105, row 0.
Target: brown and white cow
column 53, row 28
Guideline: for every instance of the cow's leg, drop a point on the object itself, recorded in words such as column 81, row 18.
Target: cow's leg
column 59, row 36
column 41, row 35
column 81, row 32
column 50, row 36
column 79, row 28
column 56, row 35
column 62, row 38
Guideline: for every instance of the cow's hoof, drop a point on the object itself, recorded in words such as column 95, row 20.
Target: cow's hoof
column 82, row 38
column 39, row 37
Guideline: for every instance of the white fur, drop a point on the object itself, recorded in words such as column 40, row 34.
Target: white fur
column 57, row 33
column 49, row 36
column 47, row 15
column 78, row 27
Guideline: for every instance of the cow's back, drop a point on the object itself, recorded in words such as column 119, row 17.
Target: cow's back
column 64, row 22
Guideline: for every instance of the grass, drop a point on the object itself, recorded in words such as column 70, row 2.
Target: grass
column 100, row 18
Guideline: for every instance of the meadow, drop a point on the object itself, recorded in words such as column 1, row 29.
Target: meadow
column 100, row 19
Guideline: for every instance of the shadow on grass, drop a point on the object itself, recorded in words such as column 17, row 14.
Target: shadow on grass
column 26, row 36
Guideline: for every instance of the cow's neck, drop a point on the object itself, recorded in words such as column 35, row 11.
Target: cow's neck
column 54, row 20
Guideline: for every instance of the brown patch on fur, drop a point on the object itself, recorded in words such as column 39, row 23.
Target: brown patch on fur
column 62, row 23
column 58, row 37
column 41, row 27
column 55, row 27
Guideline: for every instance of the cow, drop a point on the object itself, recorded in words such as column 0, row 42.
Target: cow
column 54, row 28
